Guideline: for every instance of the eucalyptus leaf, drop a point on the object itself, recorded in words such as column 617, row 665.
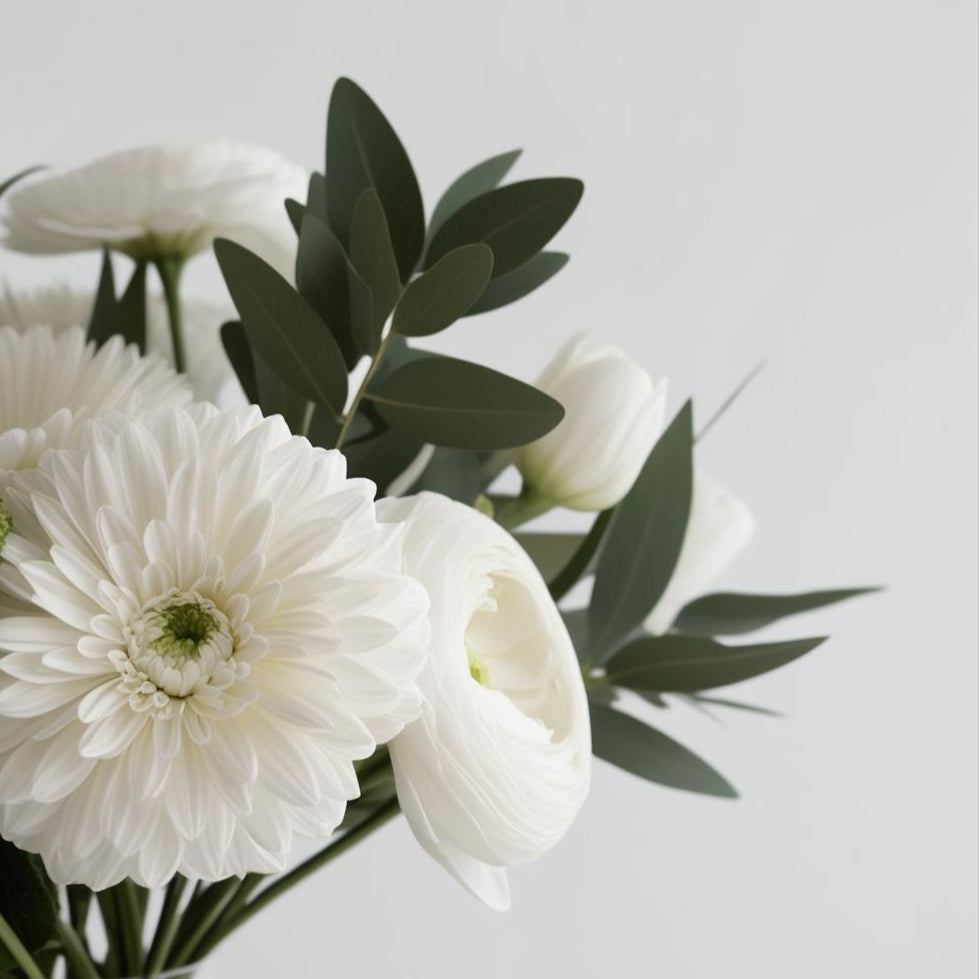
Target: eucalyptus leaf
column 464, row 405
column 644, row 751
column 475, row 181
column 283, row 328
column 443, row 294
column 277, row 397
column 28, row 898
column 102, row 322
column 516, row 221
column 322, row 277
column 295, row 212
column 363, row 151
column 456, row 473
column 643, row 542
column 372, row 255
column 685, row 664
column 131, row 309
column 576, row 622
column 17, row 177
column 383, row 457
column 240, row 354
column 731, row 614
column 324, row 428
column 522, row 281
column 316, row 197
column 583, row 559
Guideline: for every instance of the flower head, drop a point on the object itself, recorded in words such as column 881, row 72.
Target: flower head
column 158, row 201
column 613, row 417
column 496, row 768
column 220, row 627
column 209, row 372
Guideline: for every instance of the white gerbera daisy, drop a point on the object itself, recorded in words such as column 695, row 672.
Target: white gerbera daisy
column 209, row 372
column 52, row 381
column 159, row 202
column 221, row 627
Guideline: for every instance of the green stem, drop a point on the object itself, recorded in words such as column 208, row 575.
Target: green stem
column 166, row 927
column 298, row 874
column 361, row 391
column 169, row 270
column 110, row 919
column 23, row 958
column 516, row 511
column 246, row 887
column 76, row 952
column 214, row 902
column 130, row 926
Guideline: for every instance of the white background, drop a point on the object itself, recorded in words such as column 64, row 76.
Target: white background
column 787, row 180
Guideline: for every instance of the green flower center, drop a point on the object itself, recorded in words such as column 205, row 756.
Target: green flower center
column 6, row 524
column 184, row 629
column 478, row 670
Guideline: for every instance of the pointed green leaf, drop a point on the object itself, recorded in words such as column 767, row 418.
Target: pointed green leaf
column 520, row 282
column 456, row 403
column 383, row 457
column 16, row 178
column 475, row 181
column 643, row 543
column 240, row 354
column 579, row 563
column 650, row 754
column 455, row 473
column 731, row 614
column 322, row 277
column 440, row 296
column 295, row 212
column 576, row 622
column 28, row 899
column 363, row 151
column 372, row 255
column 283, row 328
column 516, row 221
column 131, row 309
column 684, row 664
column 277, row 397
column 102, row 323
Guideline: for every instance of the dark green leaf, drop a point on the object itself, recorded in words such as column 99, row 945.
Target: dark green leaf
column 475, row 181
column 516, row 221
column 383, row 457
column 456, row 403
column 10, row 181
column 397, row 353
column 295, row 212
column 276, row 397
column 643, row 543
column 131, row 309
column 579, row 563
column 363, row 151
column 28, row 899
column 731, row 614
column 102, row 323
column 240, row 354
column 316, row 197
column 576, row 622
column 456, row 473
column 520, row 282
column 684, row 664
column 436, row 299
column 372, row 255
column 283, row 328
column 322, row 277
column 549, row 552
column 650, row 754
column 323, row 428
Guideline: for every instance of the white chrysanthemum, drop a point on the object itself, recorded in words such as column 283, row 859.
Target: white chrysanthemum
column 221, row 628
column 208, row 370
column 159, row 201
column 496, row 768
column 52, row 382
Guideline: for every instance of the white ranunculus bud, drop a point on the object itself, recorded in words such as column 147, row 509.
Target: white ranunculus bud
column 720, row 526
column 613, row 416
column 497, row 767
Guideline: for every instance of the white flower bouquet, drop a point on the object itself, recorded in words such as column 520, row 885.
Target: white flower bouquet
column 226, row 625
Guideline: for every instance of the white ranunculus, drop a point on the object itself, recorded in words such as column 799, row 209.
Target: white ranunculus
column 613, row 416
column 720, row 526
column 220, row 628
column 158, row 201
column 496, row 768
column 52, row 381
column 209, row 372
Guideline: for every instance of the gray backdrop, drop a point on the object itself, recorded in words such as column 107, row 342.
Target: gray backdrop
column 787, row 180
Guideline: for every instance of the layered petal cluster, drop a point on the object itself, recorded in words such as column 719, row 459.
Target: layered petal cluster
column 209, row 372
column 614, row 414
column 496, row 768
column 719, row 528
column 220, row 628
column 52, row 381
column 158, row 201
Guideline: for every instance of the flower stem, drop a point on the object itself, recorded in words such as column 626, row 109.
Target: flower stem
column 76, row 952
column 213, row 903
column 361, row 391
column 169, row 270
column 23, row 958
column 130, row 925
column 515, row 511
column 166, row 928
